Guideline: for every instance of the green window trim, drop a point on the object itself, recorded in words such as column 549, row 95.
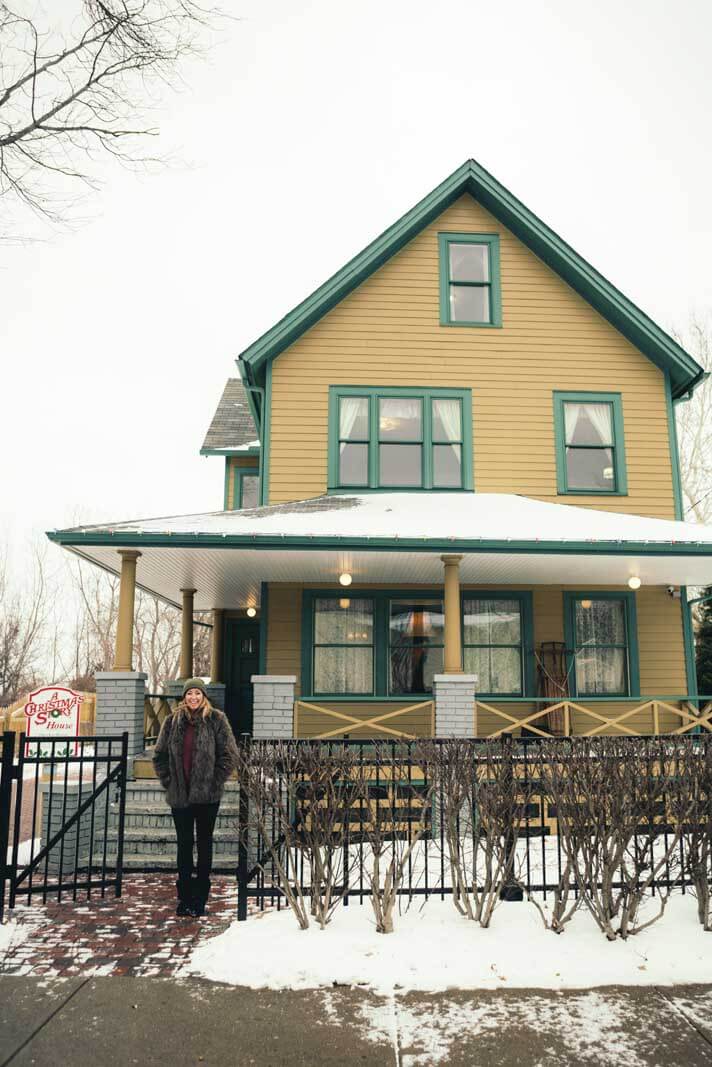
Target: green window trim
column 381, row 644
column 631, row 624
column 619, row 462
column 491, row 240
column 239, row 475
column 373, row 394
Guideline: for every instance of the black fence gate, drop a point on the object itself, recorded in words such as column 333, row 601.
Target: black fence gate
column 62, row 808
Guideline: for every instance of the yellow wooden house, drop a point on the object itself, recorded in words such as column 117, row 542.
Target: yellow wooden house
column 452, row 500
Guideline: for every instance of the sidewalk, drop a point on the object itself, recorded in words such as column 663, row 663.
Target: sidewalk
column 183, row 1023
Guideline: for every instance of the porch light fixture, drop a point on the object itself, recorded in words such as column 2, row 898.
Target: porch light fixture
column 251, row 612
column 345, row 579
column 634, row 582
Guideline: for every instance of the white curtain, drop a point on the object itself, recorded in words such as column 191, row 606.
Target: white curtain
column 599, row 415
column 449, row 413
column 349, row 408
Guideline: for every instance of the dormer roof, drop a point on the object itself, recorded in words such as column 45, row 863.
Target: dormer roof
column 685, row 373
column 232, row 430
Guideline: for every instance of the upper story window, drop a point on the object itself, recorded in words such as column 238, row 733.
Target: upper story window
column 246, row 488
column 400, row 438
column 590, row 454
column 469, row 279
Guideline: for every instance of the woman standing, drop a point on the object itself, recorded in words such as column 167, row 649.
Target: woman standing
column 194, row 756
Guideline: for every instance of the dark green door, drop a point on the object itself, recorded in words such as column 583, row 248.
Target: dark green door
column 242, row 660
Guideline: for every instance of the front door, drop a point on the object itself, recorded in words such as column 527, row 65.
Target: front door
column 242, row 660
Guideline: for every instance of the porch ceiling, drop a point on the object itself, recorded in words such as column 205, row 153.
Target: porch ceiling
column 397, row 538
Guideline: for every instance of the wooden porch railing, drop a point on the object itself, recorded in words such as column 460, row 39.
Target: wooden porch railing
column 373, row 722
column 686, row 713
column 156, row 708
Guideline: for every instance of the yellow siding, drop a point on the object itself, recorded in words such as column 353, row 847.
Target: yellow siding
column 660, row 644
column 387, row 332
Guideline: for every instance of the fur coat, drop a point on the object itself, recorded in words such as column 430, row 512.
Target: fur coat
column 214, row 758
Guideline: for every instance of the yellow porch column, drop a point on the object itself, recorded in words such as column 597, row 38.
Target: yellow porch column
column 453, row 638
column 216, row 649
column 186, row 638
column 127, row 596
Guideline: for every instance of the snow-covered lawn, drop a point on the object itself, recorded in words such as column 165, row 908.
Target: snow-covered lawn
column 433, row 948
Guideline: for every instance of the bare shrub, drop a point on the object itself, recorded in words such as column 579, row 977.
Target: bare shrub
column 613, row 797
column 397, row 787
column 698, row 828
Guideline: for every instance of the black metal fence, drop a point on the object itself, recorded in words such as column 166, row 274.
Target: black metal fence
column 520, row 807
column 62, row 805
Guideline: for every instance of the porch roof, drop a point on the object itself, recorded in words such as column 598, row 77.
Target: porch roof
column 396, row 538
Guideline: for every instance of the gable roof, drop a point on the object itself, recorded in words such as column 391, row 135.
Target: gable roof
column 640, row 330
column 232, row 428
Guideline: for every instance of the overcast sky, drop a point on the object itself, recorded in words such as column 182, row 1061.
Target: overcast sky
column 311, row 128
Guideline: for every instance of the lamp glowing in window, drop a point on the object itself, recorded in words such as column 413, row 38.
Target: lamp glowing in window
column 634, row 582
column 345, row 579
column 345, row 603
column 585, row 603
column 251, row 612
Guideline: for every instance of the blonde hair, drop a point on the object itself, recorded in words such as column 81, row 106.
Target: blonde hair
column 182, row 709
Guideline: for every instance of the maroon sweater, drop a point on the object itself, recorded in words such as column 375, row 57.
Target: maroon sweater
column 188, row 743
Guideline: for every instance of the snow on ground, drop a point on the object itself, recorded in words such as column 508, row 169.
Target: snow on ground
column 12, row 934
column 433, row 948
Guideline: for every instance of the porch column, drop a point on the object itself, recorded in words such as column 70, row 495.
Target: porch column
column 127, row 595
column 216, row 649
column 186, row 640
column 453, row 639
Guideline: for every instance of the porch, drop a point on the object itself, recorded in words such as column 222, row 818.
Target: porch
column 364, row 616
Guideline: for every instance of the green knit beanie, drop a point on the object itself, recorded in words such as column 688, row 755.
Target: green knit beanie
column 194, row 683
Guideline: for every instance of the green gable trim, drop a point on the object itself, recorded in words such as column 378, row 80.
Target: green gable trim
column 495, row 288
column 125, row 539
column 621, row 478
column 663, row 350
column 372, row 393
column 674, row 450
column 381, row 598
column 253, row 451
column 631, row 624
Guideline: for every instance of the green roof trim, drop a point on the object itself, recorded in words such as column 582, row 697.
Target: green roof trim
column 125, row 539
column 685, row 373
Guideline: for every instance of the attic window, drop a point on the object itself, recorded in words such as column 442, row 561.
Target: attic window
column 469, row 279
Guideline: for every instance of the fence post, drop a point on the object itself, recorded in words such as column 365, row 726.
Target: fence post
column 122, row 812
column 510, row 890
column 243, row 817
column 8, row 754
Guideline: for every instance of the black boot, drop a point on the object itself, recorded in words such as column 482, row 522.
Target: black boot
column 201, row 894
column 183, row 888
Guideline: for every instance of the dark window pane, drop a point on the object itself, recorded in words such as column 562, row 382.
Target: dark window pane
column 353, row 418
column 469, row 303
column 411, row 622
column 447, row 466
column 492, row 622
column 400, row 465
column 353, row 464
column 469, row 263
column 601, row 670
column 343, row 670
column 346, row 620
column 400, row 419
column 590, row 468
column 250, row 483
column 447, row 419
column 600, row 622
column 412, row 669
column 588, row 424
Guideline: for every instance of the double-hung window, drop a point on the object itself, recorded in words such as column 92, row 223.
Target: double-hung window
column 601, row 638
column 493, row 644
column 590, row 454
column 399, row 438
column 469, row 279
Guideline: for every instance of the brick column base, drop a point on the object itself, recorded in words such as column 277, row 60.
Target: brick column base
column 454, row 704
column 273, row 705
column 120, row 698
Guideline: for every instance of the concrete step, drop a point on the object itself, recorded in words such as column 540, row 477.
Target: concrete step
column 158, row 816
column 223, row 864
column 151, row 840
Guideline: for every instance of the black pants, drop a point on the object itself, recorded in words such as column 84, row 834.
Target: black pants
column 201, row 818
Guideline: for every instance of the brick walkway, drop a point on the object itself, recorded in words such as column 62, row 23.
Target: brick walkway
column 137, row 934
